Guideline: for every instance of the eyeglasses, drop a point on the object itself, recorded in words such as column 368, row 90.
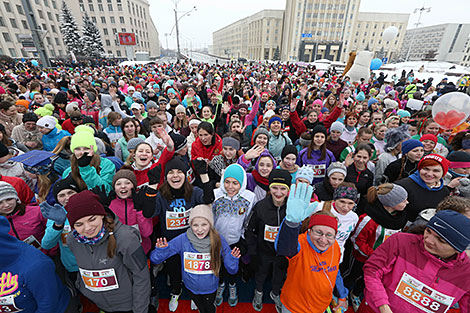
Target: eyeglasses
column 319, row 233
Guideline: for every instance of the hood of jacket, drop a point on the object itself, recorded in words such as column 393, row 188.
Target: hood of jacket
column 264, row 154
column 417, row 179
column 242, row 188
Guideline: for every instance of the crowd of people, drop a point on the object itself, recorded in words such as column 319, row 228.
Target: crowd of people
column 331, row 193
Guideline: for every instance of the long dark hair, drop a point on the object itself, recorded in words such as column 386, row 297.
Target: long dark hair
column 165, row 190
column 322, row 149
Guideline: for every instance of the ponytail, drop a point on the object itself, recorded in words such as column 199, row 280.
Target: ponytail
column 373, row 192
column 109, row 226
column 402, row 168
column 216, row 246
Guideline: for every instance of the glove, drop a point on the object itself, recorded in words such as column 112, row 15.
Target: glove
column 84, row 160
column 298, row 202
column 154, row 174
column 200, row 167
column 138, row 198
column 105, row 199
column 148, row 203
column 54, row 213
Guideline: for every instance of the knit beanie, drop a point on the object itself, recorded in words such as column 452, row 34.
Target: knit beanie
column 133, row 143
column 431, row 137
column 179, row 141
column 289, row 149
column 29, row 117
column 453, row 227
column 124, row 173
column 459, row 159
column 305, row 172
column 323, row 220
column 403, row 113
column 3, row 150
column 336, row 167
column 83, row 204
column 397, row 195
column 305, row 139
column 274, row 118
column 409, row 145
column 345, row 192
column 204, row 211
column 269, row 114
column 194, row 121
column 91, row 96
column 231, row 142
column 152, row 104
column 280, row 177
column 236, row 172
column 394, row 136
column 60, row 98
column 62, row 184
column 179, row 109
column 72, row 106
column 434, row 159
column 338, row 126
column 176, row 163
column 84, row 136
column 260, row 131
column 7, row 191
column 319, row 129
column 47, row 122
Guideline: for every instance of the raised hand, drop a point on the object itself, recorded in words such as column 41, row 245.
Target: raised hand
column 155, row 174
column 254, row 152
column 161, row 243
column 54, row 213
column 236, row 253
column 200, row 166
column 298, row 202
column 105, row 198
column 162, row 133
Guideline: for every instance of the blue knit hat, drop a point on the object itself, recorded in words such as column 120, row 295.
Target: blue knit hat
column 453, row 227
column 235, row 171
column 403, row 113
column 305, row 172
column 409, row 145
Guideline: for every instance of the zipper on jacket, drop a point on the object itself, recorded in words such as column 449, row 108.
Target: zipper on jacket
column 91, row 249
column 125, row 210
column 13, row 228
column 278, row 217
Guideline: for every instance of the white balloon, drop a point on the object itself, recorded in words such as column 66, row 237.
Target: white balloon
column 390, row 33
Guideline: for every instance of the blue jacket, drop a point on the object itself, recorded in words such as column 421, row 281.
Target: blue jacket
column 52, row 236
column 50, row 140
column 92, row 178
column 196, row 283
column 29, row 277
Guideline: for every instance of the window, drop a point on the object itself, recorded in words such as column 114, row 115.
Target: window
column 49, row 16
column 13, row 23
column 123, row 30
column 118, row 53
column 57, row 18
column 121, row 19
column 2, row 22
column 53, row 29
column 110, row 7
column 46, row 3
column 119, row 5
column 48, row 39
column 56, row 41
column 6, row 37
column 54, row 4
column 108, row 43
column 114, row 30
column 103, row 20
column 113, row 20
column 105, row 31
column 41, row 15
column 12, row 52
column 100, row 7
column 44, row 27
column 7, row 6
column 19, row 8
column 92, row 8
column 93, row 19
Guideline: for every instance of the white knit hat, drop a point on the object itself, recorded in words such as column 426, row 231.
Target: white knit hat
column 47, row 122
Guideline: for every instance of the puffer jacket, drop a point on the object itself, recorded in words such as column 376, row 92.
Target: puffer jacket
column 91, row 177
column 125, row 278
column 404, row 254
column 10, row 122
column 50, row 140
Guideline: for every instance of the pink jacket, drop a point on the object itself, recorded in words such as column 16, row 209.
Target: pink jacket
column 124, row 209
column 405, row 253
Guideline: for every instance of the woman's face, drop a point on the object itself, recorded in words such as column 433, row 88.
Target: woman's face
column 431, row 175
column 322, row 237
column 434, row 244
column 7, row 206
column 335, row 134
column 64, row 195
column 432, row 128
column 79, row 151
column 261, row 140
column 394, row 123
column 312, row 117
column 405, row 119
column 344, row 206
column 279, row 193
column 364, row 119
column 358, row 108
column 380, row 132
column 200, row 227
column 462, row 170
column 236, row 128
column 206, row 113
column 205, row 137
column 181, row 115
column 175, row 178
column 265, row 166
column 428, row 145
column 271, row 105
column 413, row 130
column 193, row 129
column 275, row 126
column 415, row 154
column 129, row 129
column 336, row 179
column 229, row 152
column 143, row 155
column 289, row 161
column 331, row 100
column 11, row 111
column 360, row 159
column 89, row 226
column 351, row 121
column 123, row 188
column 232, row 186
column 317, row 107
column 319, row 139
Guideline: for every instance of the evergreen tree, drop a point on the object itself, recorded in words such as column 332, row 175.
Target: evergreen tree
column 69, row 30
column 91, row 40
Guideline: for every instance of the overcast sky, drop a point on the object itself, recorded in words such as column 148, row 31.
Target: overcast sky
column 211, row 15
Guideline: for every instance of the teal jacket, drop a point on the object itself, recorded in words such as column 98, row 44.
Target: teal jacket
column 92, row 178
column 52, row 236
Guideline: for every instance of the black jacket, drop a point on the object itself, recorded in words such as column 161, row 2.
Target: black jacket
column 324, row 190
column 363, row 180
column 392, row 172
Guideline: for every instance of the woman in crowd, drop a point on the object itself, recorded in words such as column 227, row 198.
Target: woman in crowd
column 129, row 131
column 411, row 153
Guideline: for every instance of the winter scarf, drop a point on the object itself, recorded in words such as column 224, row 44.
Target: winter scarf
column 381, row 216
column 88, row 241
column 201, row 245
column 263, row 182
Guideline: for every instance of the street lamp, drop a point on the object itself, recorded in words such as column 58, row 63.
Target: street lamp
column 421, row 11
column 176, row 25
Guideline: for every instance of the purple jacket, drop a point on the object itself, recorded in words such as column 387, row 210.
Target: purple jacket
column 251, row 184
column 319, row 167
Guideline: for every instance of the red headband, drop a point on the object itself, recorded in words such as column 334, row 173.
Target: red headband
column 459, row 164
column 324, row 220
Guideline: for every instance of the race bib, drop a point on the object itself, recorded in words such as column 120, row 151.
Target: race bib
column 7, row 305
column 32, row 241
column 177, row 220
column 99, row 280
column 270, row 233
column 422, row 296
column 197, row 263
column 64, row 235
column 319, row 170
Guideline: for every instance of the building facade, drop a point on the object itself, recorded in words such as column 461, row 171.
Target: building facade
column 317, row 29
column 366, row 34
column 14, row 28
column 466, row 54
column 443, row 42
column 116, row 16
column 256, row 37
